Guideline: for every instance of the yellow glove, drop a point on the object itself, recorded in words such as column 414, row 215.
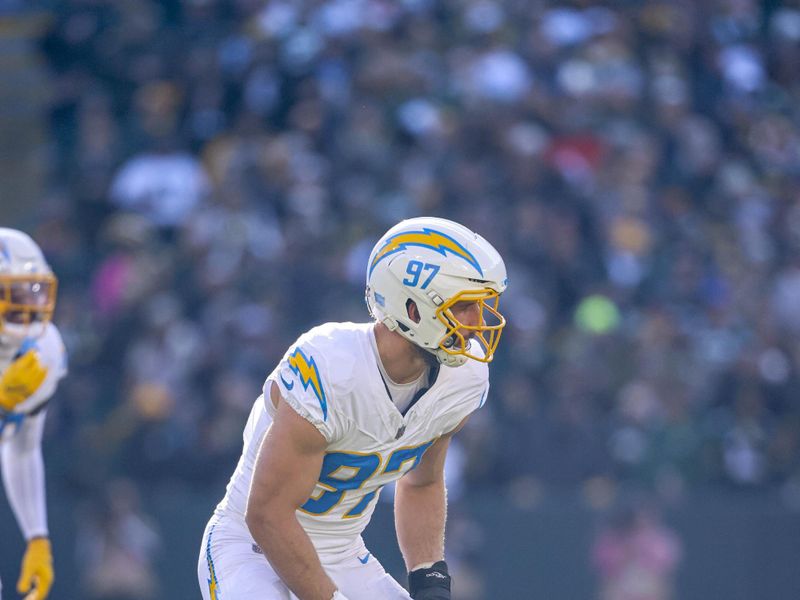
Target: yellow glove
column 21, row 379
column 37, row 570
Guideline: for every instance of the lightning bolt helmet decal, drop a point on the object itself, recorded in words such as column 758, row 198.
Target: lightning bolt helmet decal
column 427, row 238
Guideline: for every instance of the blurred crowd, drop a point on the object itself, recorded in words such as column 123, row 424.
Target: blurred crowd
column 219, row 171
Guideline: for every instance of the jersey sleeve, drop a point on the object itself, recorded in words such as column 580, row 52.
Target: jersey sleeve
column 466, row 394
column 477, row 381
column 472, row 400
column 303, row 378
column 484, row 395
column 53, row 357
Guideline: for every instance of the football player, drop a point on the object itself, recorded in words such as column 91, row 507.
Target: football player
column 32, row 361
column 352, row 407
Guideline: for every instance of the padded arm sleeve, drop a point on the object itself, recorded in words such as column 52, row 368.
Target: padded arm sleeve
column 23, row 476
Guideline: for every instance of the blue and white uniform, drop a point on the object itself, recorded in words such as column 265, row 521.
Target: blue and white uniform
column 332, row 378
column 52, row 356
column 21, row 433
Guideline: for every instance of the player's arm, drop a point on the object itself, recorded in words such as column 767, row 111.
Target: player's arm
column 286, row 471
column 23, row 479
column 420, row 511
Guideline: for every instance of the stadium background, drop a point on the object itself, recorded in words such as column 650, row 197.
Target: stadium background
column 207, row 178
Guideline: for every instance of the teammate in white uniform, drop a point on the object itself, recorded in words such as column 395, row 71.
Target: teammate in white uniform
column 32, row 361
column 350, row 408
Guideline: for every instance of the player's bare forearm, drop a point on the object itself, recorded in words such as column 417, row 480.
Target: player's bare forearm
column 420, row 514
column 285, row 473
column 290, row 551
column 421, row 506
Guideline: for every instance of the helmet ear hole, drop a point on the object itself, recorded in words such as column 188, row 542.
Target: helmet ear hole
column 412, row 310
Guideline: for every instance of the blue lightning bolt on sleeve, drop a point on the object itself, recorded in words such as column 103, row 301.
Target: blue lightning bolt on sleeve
column 301, row 379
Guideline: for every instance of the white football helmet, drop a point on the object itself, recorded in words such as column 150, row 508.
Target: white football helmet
column 437, row 263
column 27, row 288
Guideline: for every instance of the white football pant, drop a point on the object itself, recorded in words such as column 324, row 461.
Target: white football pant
column 230, row 567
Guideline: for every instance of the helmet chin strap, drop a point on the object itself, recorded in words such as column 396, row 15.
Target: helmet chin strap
column 447, row 359
column 444, row 358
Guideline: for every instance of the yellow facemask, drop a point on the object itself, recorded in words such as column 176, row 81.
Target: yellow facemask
column 26, row 299
column 486, row 331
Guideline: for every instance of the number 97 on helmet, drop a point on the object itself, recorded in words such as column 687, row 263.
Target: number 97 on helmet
column 455, row 279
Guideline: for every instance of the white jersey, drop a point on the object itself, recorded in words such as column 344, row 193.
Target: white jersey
column 53, row 357
column 331, row 378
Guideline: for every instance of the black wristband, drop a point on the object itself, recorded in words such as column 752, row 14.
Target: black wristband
column 430, row 584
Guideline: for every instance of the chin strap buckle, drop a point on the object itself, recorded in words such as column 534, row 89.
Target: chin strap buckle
column 449, row 360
